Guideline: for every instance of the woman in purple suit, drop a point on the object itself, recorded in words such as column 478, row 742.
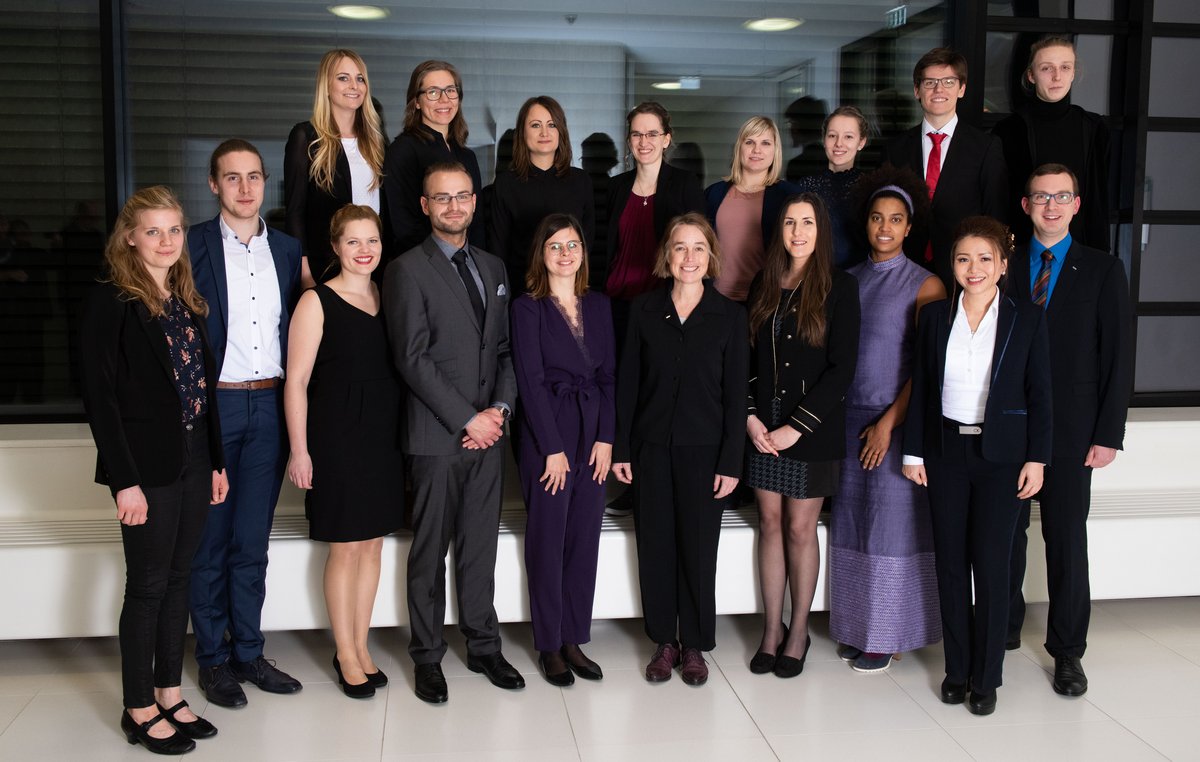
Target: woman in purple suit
column 564, row 357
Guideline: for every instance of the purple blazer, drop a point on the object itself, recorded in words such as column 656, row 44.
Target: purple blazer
column 567, row 396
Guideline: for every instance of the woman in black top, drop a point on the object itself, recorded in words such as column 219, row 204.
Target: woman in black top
column 541, row 181
column 149, row 388
column 1047, row 128
column 333, row 159
column 434, row 132
column 680, row 414
column 804, row 324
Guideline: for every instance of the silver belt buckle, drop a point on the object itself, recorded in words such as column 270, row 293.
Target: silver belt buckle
column 970, row 430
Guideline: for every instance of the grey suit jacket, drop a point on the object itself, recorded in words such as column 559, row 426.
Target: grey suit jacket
column 453, row 367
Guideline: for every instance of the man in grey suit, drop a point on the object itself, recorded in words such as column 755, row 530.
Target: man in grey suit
column 446, row 304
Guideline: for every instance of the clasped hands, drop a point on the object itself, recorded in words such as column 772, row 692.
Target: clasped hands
column 484, row 429
column 770, row 442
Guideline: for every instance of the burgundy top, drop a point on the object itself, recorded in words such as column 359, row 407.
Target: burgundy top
column 632, row 272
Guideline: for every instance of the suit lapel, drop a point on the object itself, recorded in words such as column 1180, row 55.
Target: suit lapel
column 449, row 274
column 156, row 337
column 1005, row 322
column 216, row 260
column 1066, row 279
column 942, row 337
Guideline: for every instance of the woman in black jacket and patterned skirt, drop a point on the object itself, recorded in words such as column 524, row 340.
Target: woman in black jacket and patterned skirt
column 804, row 323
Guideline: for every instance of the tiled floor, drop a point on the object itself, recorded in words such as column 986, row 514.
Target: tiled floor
column 60, row 700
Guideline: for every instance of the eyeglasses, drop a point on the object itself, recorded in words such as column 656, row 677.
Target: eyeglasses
column 571, row 246
column 446, row 198
column 435, row 93
column 947, row 83
column 1041, row 199
column 651, row 135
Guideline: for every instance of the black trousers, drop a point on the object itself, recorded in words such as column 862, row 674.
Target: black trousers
column 454, row 496
column 678, row 528
column 1065, row 500
column 158, row 562
column 974, row 507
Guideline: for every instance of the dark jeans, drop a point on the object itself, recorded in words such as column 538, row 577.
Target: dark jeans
column 158, row 561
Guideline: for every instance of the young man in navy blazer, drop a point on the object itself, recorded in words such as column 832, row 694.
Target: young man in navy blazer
column 963, row 166
column 250, row 276
column 1086, row 298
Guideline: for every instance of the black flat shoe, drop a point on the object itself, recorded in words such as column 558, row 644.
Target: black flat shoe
column 137, row 733
column 554, row 668
column 580, row 664
column 982, row 703
column 764, row 662
column 790, row 666
column 363, row 690
column 952, row 692
column 196, row 729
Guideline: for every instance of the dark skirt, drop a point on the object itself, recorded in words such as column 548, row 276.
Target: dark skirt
column 792, row 478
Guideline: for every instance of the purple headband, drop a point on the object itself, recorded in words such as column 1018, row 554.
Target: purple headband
column 898, row 191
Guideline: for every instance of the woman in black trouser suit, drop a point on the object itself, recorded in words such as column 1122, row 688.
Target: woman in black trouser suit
column 978, row 435
column 149, row 388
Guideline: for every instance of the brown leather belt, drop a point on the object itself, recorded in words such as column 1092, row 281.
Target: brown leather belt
column 252, row 386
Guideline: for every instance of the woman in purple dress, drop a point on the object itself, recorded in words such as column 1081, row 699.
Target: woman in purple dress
column 883, row 590
column 564, row 358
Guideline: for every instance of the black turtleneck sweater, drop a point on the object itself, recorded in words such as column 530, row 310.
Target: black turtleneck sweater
column 1041, row 133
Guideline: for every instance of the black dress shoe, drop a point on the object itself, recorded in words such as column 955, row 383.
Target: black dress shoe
column 137, row 733
column 498, row 670
column 196, row 729
column 952, row 692
column 982, row 703
column 431, row 684
column 265, row 675
column 554, row 668
column 580, row 664
column 1069, row 679
column 790, row 666
column 363, row 690
column 220, row 686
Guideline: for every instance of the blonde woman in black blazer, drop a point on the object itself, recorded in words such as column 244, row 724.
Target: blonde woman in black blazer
column 149, row 389
column 978, row 434
column 804, row 324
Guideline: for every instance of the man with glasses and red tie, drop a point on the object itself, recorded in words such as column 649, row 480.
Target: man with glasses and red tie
column 963, row 167
column 446, row 305
column 1086, row 298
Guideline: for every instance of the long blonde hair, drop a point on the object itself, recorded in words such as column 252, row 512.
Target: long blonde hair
column 124, row 269
column 323, row 152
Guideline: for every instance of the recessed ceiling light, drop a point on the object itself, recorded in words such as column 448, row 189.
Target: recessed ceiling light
column 676, row 85
column 777, row 24
column 359, row 12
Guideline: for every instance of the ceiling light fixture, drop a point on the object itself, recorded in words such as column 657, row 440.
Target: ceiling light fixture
column 675, row 85
column 775, row 24
column 359, row 12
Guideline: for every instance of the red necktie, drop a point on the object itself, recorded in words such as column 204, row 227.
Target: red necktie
column 933, row 171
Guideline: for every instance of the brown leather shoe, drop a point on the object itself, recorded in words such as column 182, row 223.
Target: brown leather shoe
column 694, row 670
column 666, row 658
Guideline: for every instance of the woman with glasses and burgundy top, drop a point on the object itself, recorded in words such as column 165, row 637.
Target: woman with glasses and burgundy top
column 434, row 132
column 150, row 392
column 332, row 160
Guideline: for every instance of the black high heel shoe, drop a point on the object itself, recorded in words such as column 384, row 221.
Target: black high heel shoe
column 377, row 679
column 196, row 729
column 764, row 662
column 357, row 691
column 790, row 666
column 136, row 733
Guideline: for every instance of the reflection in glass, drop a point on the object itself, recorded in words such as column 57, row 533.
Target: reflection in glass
column 1167, row 360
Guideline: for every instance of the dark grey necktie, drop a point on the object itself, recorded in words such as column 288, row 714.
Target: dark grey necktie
column 460, row 263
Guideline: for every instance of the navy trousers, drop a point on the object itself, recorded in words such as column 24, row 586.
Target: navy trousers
column 229, row 572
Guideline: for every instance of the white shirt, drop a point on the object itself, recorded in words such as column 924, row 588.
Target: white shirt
column 968, row 374
column 927, row 142
column 252, row 349
column 361, row 176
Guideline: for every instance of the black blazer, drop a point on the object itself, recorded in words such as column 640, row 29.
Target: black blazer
column 678, row 192
column 130, row 396
column 812, row 380
column 974, row 180
column 684, row 383
column 309, row 207
column 1018, row 419
column 1091, row 357
column 773, row 198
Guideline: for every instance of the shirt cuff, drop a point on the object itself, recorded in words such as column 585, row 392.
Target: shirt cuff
column 912, row 460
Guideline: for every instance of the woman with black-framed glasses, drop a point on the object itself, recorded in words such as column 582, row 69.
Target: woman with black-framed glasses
column 434, row 132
